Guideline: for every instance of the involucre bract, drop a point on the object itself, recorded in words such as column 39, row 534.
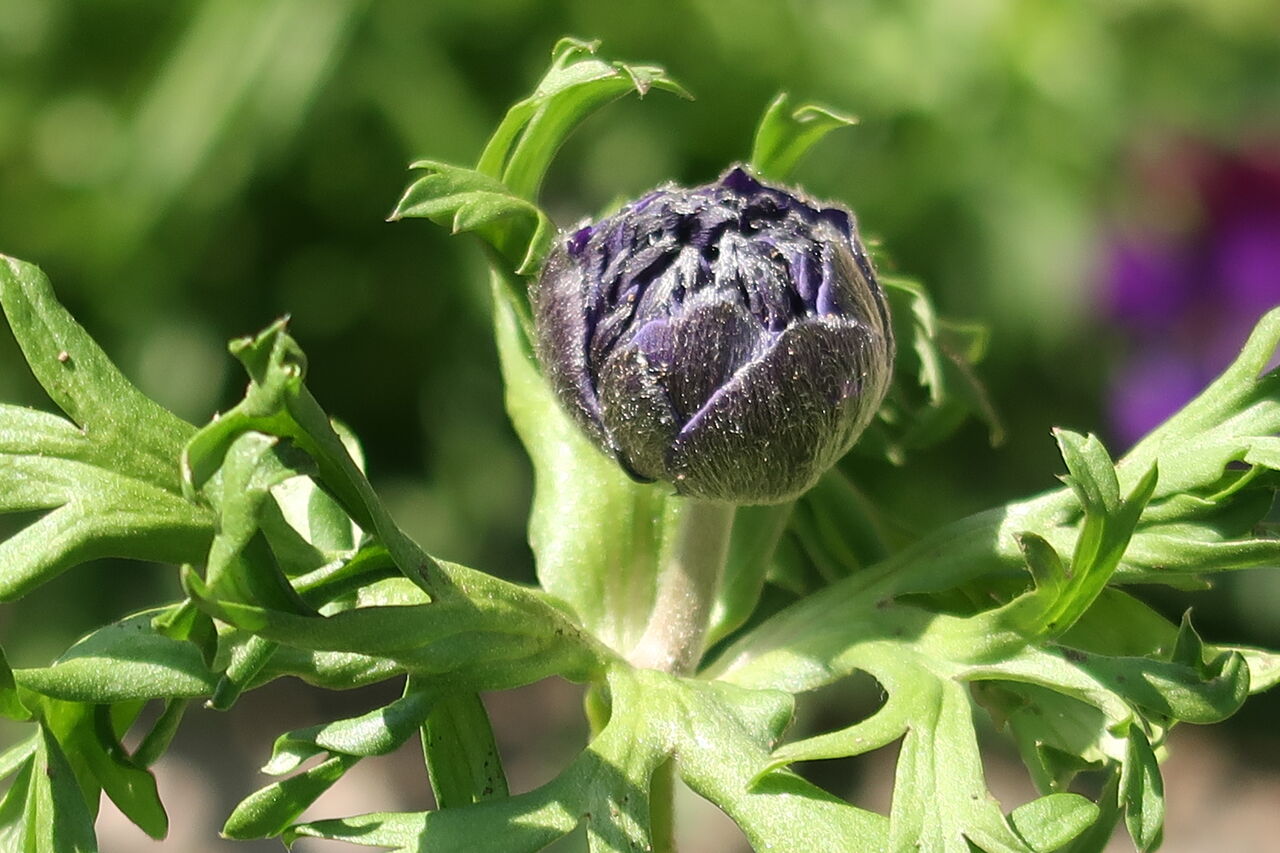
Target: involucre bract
column 730, row 339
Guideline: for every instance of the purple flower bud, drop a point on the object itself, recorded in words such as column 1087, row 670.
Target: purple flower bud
column 730, row 339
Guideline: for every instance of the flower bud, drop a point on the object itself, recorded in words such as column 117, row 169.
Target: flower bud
column 730, row 339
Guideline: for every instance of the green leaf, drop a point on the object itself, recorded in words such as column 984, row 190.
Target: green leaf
column 498, row 199
column 96, row 509
column 576, row 85
column 786, row 134
column 15, row 756
column 722, row 736
column 1142, row 793
column 55, row 818
column 157, row 740
column 462, row 757
column 934, row 387
column 247, row 660
column 1238, row 411
column 467, row 200
column 375, row 733
column 122, row 661
column 752, row 542
column 267, row 812
column 86, row 734
column 108, row 477
column 1264, row 667
column 1063, row 595
column 883, row 727
column 838, row 527
column 940, row 800
column 497, row 641
column 1050, row 822
column 10, row 702
column 82, row 381
column 1176, row 690
column 278, row 404
column 241, row 565
column 1096, row 838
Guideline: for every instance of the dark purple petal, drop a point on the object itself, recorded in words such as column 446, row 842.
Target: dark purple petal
column 735, row 318
column 780, row 423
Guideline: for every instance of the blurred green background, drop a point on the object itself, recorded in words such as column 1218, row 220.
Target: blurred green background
column 188, row 170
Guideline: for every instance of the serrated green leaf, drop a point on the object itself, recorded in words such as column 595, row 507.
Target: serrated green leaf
column 936, row 357
column 1158, row 551
column 940, row 801
column 493, row 642
column 83, row 382
column 468, row 200
column 1238, row 411
column 461, row 755
column 240, row 565
column 95, row 510
column 722, row 735
column 279, row 404
column 498, row 198
column 1062, row 596
column 1090, row 471
column 1175, row 690
column 785, row 134
column 576, row 85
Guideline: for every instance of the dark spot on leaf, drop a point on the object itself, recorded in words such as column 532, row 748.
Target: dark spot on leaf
column 1074, row 655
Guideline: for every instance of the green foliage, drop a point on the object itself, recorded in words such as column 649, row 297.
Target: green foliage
column 291, row 564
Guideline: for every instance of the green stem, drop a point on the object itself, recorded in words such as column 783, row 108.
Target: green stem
column 692, row 563
column 662, row 813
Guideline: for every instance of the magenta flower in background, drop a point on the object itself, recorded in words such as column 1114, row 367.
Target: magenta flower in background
column 1187, row 281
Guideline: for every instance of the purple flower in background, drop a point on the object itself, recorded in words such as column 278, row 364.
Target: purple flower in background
column 730, row 339
column 1188, row 283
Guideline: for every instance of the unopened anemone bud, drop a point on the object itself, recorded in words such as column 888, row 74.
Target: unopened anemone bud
column 730, row 339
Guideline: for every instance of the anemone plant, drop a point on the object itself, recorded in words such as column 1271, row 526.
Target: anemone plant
column 707, row 356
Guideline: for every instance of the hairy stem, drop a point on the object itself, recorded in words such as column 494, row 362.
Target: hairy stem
column 692, row 562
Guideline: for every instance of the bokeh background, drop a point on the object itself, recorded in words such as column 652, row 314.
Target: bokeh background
column 1098, row 180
